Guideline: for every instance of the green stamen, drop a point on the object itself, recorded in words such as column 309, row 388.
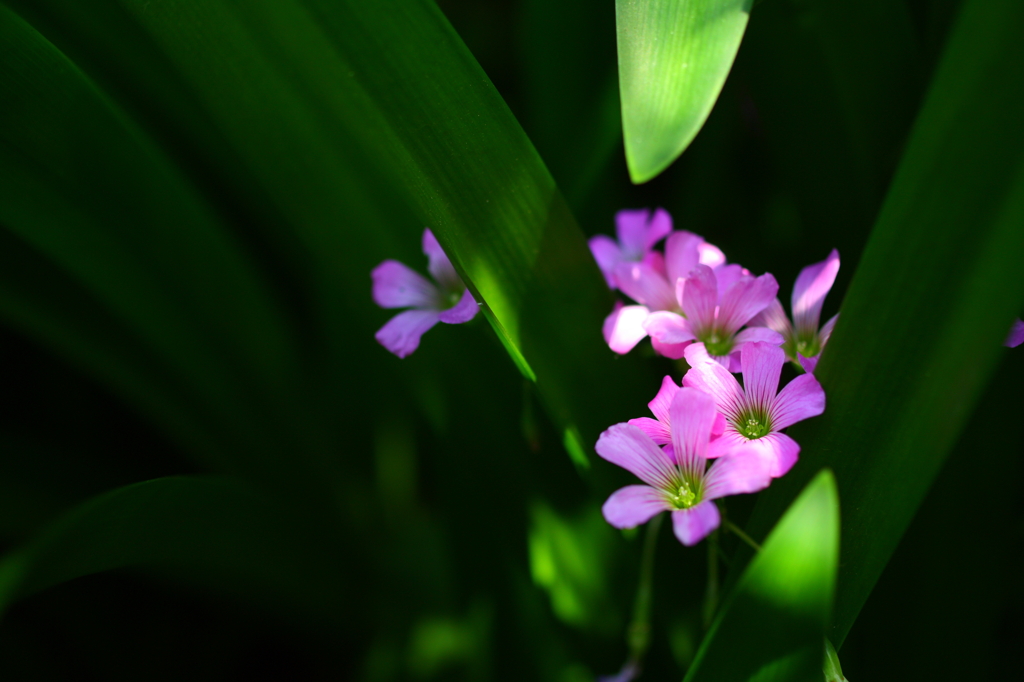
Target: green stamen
column 754, row 424
column 717, row 344
column 683, row 497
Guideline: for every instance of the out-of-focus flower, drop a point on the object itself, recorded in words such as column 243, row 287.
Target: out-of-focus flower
column 715, row 311
column 757, row 412
column 651, row 285
column 395, row 285
column 1016, row 336
column 803, row 340
column 677, row 477
column 637, row 231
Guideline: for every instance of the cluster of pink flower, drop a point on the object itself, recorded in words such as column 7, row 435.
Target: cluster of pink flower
column 722, row 319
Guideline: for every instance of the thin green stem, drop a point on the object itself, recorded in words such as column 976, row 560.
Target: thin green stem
column 639, row 634
column 711, row 595
column 733, row 528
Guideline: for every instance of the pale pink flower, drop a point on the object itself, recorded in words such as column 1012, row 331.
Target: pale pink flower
column 677, row 478
column 395, row 285
column 637, row 231
column 651, row 285
column 803, row 340
column 712, row 311
column 757, row 412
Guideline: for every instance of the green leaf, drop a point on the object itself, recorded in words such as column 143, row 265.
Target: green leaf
column 674, row 57
column 369, row 121
column 771, row 626
column 210, row 528
column 925, row 316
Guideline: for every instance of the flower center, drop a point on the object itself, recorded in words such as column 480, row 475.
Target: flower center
column 717, row 343
column 808, row 346
column 754, row 424
column 683, row 497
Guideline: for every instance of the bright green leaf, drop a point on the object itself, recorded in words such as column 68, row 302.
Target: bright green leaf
column 771, row 626
column 674, row 56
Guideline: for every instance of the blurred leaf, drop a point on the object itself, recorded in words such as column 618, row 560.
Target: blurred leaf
column 771, row 626
column 209, row 528
column 673, row 61
column 927, row 311
column 358, row 108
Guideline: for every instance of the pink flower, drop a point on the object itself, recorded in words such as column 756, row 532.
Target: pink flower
column 714, row 313
column 638, row 231
column 803, row 340
column 757, row 412
column 660, row 428
column 677, row 478
column 397, row 286
column 1016, row 336
column 651, row 285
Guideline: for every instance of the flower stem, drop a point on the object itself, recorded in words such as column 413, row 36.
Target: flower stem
column 733, row 528
column 639, row 634
column 711, row 595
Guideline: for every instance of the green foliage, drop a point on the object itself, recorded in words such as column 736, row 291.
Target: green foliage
column 949, row 232
column 673, row 61
column 771, row 626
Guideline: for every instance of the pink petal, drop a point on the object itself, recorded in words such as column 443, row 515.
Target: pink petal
column 401, row 335
column 645, row 285
column 711, row 255
column 728, row 275
column 743, row 470
column 758, row 334
column 633, row 450
column 773, row 317
column 659, row 406
column 655, row 261
column 707, row 375
column 801, row 399
column 826, row 330
column 1016, row 336
column 463, row 311
column 692, row 415
column 699, row 297
column 631, row 228
column 396, row 285
column 809, row 364
column 440, row 267
column 673, row 351
column 607, row 254
column 762, row 368
column 658, row 431
column 668, row 327
column 623, row 329
column 658, row 228
column 779, row 451
column 812, row 285
column 682, row 254
column 744, row 299
column 694, row 524
column 635, row 504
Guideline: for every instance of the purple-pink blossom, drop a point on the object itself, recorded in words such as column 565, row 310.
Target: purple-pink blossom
column 803, row 340
column 395, row 285
column 677, row 478
column 756, row 412
column 1016, row 335
column 651, row 284
column 713, row 307
column 637, row 231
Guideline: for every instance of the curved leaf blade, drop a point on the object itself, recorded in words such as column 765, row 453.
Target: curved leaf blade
column 772, row 626
column 674, row 57
column 923, row 323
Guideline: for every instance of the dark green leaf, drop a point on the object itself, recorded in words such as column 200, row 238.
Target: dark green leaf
column 673, row 60
column 927, row 311
column 771, row 626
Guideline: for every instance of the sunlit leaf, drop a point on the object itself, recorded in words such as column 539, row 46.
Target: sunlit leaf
column 674, row 57
column 771, row 626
